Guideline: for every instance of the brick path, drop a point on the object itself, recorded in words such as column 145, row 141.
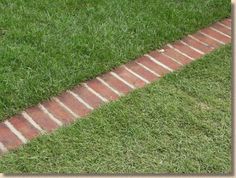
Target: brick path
column 82, row 99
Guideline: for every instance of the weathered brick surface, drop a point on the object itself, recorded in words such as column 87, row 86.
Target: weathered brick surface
column 41, row 119
column 102, row 89
column 76, row 106
column 129, row 77
column 58, row 111
column 187, row 50
column 87, row 96
column 23, row 126
column 176, row 55
column 165, row 60
column 141, row 71
column 116, row 83
column 216, row 35
column 222, row 29
column 212, row 43
column 197, row 45
column 152, row 65
column 226, row 22
column 7, row 138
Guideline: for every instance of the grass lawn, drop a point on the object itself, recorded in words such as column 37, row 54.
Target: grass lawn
column 179, row 124
column 48, row 46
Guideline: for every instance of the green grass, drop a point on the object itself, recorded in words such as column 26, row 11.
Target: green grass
column 179, row 124
column 48, row 46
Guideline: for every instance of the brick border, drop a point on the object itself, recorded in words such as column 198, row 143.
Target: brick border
column 85, row 97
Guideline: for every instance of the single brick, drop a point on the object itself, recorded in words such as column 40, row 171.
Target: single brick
column 102, row 89
column 226, row 22
column 41, row 119
column 87, row 96
column 141, row 71
column 216, row 35
column 187, row 50
column 7, row 138
column 212, row 43
column 152, row 65
column 129, row 77
column 72, row 103
column 176, row 55
column 116, row 83
column 58, row 111
column 23, row 126
column 222, row 29
column 196, row 44
column 165, row 60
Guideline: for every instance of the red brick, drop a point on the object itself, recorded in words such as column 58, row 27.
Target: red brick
column 152, row 65
column 227, row 23
column 187, row 50
column 116, row 83
column 7, row 138
column 23, row 126
column 209, row 41
column 129, row 77
column 141, row 71
column 41, row 119
column 176, row 55
column 88, row 96
column 229, row 20
column 165, row 60
column 72, row 103
column 102, row 89
column 58, row 111
column 197, row 45
column 216, row 35
column 222, row 29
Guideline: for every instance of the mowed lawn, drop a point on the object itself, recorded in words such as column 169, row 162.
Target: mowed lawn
column 179, row 124
column 49, row 46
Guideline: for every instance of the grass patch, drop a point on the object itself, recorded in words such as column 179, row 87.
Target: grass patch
column 179, row 124
column 49, row 46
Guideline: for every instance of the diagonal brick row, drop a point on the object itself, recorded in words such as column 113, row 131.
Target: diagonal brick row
column 84, row 98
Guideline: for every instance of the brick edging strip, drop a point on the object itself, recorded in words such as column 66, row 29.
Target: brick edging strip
column 82, row 99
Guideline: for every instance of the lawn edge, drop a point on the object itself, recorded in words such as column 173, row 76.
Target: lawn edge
column 82, row 99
